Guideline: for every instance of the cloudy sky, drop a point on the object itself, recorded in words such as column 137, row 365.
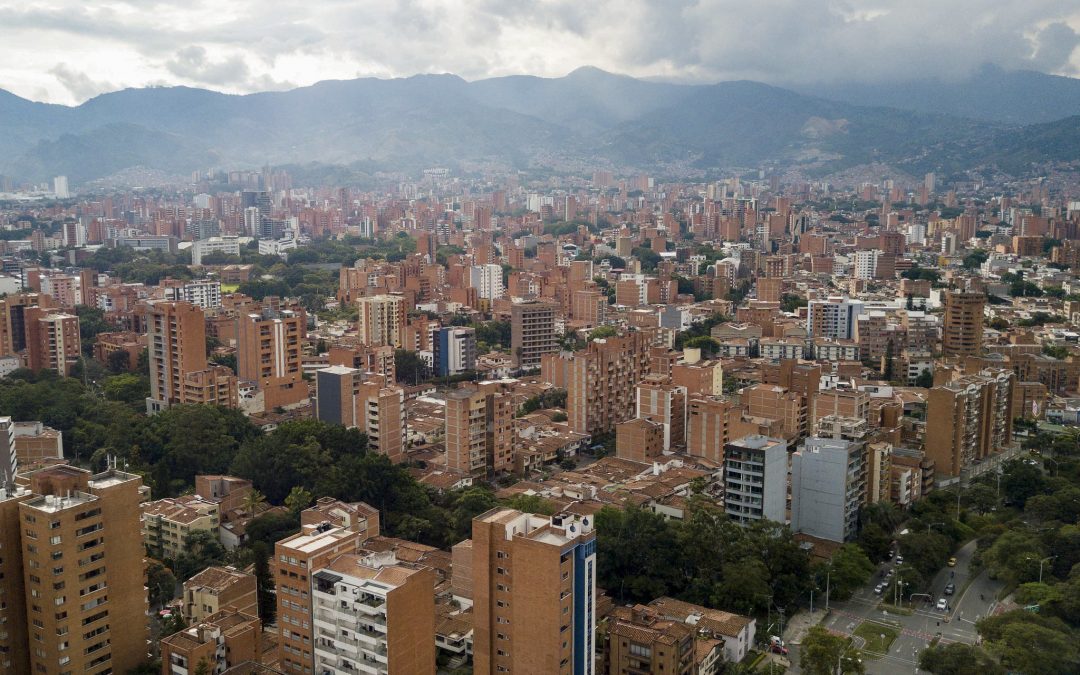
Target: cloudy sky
column 65, row 51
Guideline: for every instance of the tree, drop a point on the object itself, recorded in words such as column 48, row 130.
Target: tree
column 925, row 379
column 957, row 658
column 298, row 499
column 469, row 504
column 409, row 367
column 160, row 583
column 823, row 653
column 850, row 569
column 253, row 500
column 203, row 667
column 127, row 388
column 603, row 332
column 1020, row 481
column 706, row 344
column 201, row 550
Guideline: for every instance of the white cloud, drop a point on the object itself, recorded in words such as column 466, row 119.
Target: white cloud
column 244, row 46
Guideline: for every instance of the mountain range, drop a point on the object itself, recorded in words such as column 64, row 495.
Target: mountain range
column 1009, row 120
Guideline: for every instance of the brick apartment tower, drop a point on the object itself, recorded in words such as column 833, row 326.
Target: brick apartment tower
column 602, row 382
column 534, row 593
column 479, row 431
column 268, row 353
column 176, row 340
column 962, row 331
column 52, row 340
column 72, row 591
column 295, row 559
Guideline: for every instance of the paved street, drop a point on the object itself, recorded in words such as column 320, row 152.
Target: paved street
column 972, row 601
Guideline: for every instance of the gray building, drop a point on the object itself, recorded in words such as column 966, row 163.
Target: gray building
column 828, row 484
column 755, row 479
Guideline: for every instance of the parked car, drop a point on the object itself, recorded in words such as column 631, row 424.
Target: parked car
column 776, row 645
column 879, row 589
column 943, row 604
column 899, row 560
column 950, row 588
column 952, row 561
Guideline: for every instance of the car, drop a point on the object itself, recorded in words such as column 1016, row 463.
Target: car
column 899, row 560
column 879, row 589
column 776, row 645
column 943, row 604
column 889, row 573
column 952, row 561
column 950, row 588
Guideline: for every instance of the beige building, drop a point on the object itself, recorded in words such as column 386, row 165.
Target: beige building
column 382, row 320
column 217, row 588
column 166, row 523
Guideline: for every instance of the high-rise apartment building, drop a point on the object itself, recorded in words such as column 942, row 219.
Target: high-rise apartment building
column 204, row 293
column 707, row 427
column 833, row 318
column 532, row 332
column 296, row 558
column 72, row 592
column 962, row 331
column 381, row 413
column 335, row 395
column 14, row 623
column 382, row 320
column 351, row 398
column 601, row 387
column 373, row 614
column 534, row 593
column 756, row 479
column 454, row 350
column 969, row 419
column 13, row 319
column 664, row 404
column 176, row 341
column 52, row 340
column 268, row 353
column 487, row 280
column 479, row 430
column 828, row 486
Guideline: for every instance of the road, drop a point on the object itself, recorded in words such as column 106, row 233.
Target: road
column 974, row 598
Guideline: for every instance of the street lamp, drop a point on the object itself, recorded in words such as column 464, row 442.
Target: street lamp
column 1041, row 565
column 840, row 659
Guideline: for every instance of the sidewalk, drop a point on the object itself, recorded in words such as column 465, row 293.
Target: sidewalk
column 800, row 623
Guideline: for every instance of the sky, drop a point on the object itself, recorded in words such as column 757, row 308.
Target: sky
column 66, row 51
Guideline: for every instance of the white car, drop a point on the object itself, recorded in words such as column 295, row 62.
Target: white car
column 943, row 604
column 899, row 560
column 879, row 589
